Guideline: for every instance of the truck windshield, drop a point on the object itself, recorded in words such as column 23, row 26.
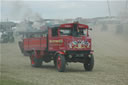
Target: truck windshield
column 82, row 31
column 65, row 31
column 70, row 32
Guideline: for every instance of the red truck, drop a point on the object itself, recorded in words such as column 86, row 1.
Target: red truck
column 61, row 43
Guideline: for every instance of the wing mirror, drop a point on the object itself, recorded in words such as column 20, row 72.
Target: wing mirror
column 90, row 28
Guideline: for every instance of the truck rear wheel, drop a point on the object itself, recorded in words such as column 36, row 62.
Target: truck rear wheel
column 60, row 63
column 35, row 62
column 88, row 65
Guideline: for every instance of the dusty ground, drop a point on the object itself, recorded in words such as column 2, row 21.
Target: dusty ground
column 111, row 65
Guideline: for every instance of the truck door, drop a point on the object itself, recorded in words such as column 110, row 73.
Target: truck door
column 55, row 42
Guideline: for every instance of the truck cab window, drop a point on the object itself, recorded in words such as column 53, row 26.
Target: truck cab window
column 82, row 31
column 54, row 31
column 65, row 31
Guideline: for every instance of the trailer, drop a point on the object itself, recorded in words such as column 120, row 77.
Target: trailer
column 63, row 43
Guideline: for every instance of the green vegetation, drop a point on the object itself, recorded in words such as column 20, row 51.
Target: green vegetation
column 11, row 81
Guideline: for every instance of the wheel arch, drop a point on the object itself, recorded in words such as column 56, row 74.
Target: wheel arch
column 59, row 52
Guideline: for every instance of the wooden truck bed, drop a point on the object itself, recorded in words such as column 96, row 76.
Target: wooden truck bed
column 35, row 43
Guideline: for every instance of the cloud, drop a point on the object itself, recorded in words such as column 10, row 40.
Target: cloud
column 72, row 5
column 59, row 9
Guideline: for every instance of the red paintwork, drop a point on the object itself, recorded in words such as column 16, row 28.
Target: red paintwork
column 61, row 52
column 65, row 44
column 71, row 25
column 32, row 60
column 35, row 43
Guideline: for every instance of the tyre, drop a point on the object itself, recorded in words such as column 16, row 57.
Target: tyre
column 89, row 63
column 35, row 62
column 60, row 63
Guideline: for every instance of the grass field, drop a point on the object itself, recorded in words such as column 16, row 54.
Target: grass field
column 111, row 65
column 11, row 81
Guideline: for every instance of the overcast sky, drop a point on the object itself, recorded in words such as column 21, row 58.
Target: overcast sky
column 59, row 9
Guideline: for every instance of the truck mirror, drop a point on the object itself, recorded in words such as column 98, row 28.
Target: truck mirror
column 90, row 28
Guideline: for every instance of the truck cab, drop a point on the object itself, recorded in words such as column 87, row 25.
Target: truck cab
column 70, row 37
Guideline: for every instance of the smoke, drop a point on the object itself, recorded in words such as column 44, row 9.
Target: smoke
column 21, row 11
column 17, row 9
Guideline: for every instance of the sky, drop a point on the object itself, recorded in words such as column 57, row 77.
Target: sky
column 59, row 9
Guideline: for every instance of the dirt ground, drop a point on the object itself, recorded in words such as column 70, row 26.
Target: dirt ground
column 111, row 65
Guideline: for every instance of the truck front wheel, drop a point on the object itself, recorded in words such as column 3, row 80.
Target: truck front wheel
column 35, row 62
column 60, row 63
column 89, row 63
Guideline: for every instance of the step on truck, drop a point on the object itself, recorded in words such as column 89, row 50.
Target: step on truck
column 61, row 43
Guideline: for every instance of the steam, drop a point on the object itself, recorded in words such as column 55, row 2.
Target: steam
column 25, row 14
column 17, row 9
column 22, row 11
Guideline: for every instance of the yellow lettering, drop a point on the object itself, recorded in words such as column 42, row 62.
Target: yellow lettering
column 56, row 41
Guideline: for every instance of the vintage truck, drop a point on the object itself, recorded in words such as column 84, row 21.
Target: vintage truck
column 62, row 43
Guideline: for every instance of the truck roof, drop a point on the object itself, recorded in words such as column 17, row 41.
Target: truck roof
column 69, row 25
